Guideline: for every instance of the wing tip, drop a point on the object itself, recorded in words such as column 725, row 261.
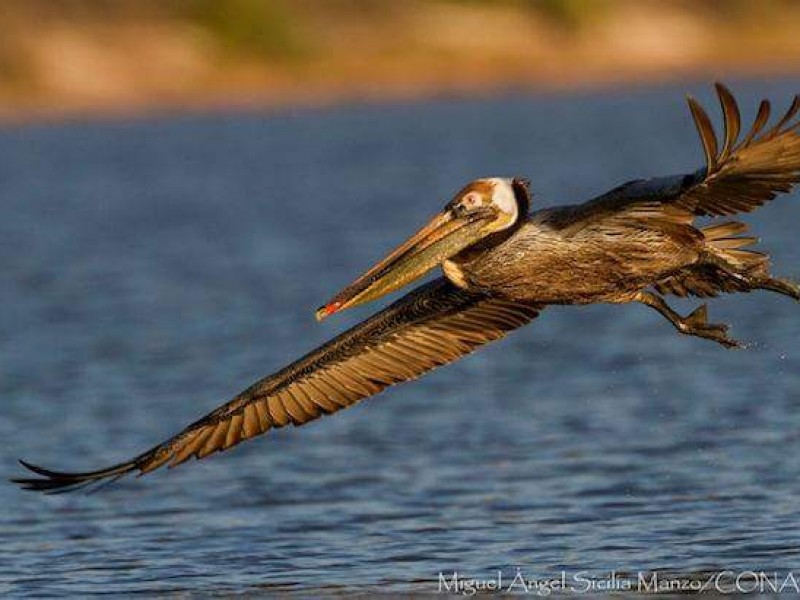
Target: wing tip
column 56, row 482
column 715, row 157
column 722, row 89
column 705, row 130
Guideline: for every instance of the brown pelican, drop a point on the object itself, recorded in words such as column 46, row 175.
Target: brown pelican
column 502, row 265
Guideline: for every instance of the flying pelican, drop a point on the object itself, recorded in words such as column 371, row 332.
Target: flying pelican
column 502, row 265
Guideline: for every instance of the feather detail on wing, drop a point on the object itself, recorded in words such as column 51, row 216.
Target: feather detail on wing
column 740, row 175
column 435, row 324
column 746, row 173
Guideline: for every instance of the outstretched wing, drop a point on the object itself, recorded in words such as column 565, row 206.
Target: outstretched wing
column 740, row 175
column 434, row 324
column 744, row 173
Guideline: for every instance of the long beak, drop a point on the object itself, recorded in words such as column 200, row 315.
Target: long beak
column 444, row 236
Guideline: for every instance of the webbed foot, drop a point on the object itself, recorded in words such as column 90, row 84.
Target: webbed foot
column 697, row 324
column 694, row 324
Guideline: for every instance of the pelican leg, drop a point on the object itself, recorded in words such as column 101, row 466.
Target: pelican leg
column 695, row 324
column 756, row 282
column 779, row 286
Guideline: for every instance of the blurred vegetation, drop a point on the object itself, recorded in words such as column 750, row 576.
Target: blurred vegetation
column 571, row 13
column 57, row 54
column 262, row 28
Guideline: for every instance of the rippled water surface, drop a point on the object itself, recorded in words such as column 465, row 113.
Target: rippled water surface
column 153, row 268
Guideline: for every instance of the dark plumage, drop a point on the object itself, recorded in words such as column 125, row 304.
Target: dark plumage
column 502, row 266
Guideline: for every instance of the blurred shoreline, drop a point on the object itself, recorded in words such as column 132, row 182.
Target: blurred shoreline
column 90, row 59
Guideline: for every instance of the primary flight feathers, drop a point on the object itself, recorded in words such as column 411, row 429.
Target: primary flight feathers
column 435, row 324
column 745, row 172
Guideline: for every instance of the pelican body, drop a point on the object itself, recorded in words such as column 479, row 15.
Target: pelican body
column 502, row 265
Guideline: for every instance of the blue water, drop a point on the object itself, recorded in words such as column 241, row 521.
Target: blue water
column 152, row 268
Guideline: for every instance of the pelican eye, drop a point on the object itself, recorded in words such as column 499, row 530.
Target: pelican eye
column 472, row 201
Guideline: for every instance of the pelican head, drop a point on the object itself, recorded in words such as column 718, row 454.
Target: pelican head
column 483, row 208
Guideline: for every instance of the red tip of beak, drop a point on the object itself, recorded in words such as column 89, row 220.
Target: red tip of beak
column 328, row 310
